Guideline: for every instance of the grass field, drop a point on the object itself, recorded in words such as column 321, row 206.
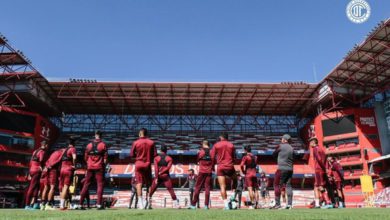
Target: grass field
column 173, row 214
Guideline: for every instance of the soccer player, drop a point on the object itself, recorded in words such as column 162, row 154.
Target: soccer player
column 204, row 180
column 133, row 193
column 36, row 167
column 320, row 177
column 52, row 169
column 263, row 182
column 248, row 168
column 283, row 175
column 191, row 179
column 224, row 153
column 96, row 158
column 67, row 170
column 337, row 174
column 162, row 165
column 143, row 150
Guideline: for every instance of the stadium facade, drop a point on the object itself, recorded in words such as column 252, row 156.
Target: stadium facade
column 348, row 111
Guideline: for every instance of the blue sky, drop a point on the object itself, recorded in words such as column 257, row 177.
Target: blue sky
column 185, row 40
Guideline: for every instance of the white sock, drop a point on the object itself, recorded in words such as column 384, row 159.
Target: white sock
column 341, row 204
column 317, row 201
column 62, row 202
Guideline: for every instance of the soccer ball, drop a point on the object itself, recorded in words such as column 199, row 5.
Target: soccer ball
column 232, row 203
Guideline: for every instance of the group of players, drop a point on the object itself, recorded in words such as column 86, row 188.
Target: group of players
column 329, row 178
column 59, row 166
column 222, row 155
column 45, row 171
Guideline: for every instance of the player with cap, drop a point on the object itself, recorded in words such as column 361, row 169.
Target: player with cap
column 283, row 175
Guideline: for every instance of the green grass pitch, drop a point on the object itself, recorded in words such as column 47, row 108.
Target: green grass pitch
column 174, row 214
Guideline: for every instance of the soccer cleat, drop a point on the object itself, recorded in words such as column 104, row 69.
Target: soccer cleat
column 99, row 207
column 27, row 207
column 192, row 207
column 206, row 207
column 288, row 207
column 36, row 206
column 329, row 206
column 276, row 207
column 50, row 208
column 43, row 207
column 63, row 209
column 341, row 207
column 251, row 207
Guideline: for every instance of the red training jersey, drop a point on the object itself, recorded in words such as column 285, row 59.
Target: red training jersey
column 143, row 150
column 95, row 159
column 55, row 159
column 248, row 165
column 161, row 167
column 224, row 152
column 37, row 160
column 205, row 161
column 319, row 159
column 336, row 171
column 67, row 158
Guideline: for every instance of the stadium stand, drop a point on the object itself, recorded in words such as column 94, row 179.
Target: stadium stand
column 175, row 141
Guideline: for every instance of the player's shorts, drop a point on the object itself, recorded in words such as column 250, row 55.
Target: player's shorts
column 251, row 181
column 66, row 177
column 143, row 173
column 226, row 172
column 264, row 193
column 320, row 179
column 52, row 177
column 43, row 181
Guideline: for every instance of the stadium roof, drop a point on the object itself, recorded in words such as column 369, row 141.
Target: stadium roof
column 363, row 72
column 182, row 98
